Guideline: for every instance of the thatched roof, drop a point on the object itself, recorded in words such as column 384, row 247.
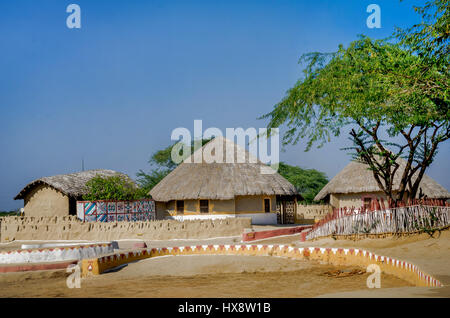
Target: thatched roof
column 356, row 178
column 70, row 184
column 220, row 181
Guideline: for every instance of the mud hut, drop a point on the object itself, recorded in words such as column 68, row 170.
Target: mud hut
column 57, row 195
column 231, row 183
column 355, row 186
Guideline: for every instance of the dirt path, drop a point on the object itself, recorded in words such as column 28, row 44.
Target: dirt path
column 199, row 276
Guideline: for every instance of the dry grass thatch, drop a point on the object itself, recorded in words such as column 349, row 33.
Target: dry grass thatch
column 356, row 178
column 220, row 181
column 70, row 184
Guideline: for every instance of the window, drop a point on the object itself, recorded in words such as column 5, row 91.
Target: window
column 180, row 207
column 267, row 205
column 204, row 206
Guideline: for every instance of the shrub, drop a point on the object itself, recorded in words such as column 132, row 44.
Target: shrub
column 118, row 187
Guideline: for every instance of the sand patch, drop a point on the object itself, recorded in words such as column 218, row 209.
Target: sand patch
column 198, row 276
column 190, row 265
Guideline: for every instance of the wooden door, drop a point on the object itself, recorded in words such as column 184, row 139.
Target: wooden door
column 289, row 212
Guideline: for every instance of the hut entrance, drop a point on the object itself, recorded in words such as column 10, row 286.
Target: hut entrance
column 72, row 206
column 286, row 209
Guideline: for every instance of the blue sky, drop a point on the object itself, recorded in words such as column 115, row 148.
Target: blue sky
column 113, row 91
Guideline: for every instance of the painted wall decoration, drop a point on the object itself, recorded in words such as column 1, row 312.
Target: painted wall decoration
column 112, row 211
column 56, row 254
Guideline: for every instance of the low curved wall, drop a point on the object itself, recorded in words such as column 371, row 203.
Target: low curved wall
column 334, row 256
column 260, row 235
column 35, row 267
column 56, row 254
column 51, row 245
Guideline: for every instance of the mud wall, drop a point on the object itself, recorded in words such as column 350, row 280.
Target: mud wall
column 69, row 228
column 246, row 204
column 44, row 200
column 313, row 212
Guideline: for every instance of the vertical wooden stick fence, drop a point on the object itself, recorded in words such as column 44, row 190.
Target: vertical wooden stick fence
column 423, row 215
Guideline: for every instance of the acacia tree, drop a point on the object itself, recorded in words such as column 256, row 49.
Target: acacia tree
column 429, row 38
column 372, row 87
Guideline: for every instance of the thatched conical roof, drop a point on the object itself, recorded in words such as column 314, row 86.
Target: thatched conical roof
column 72, row 184
column 220, row 181
column 356, row 178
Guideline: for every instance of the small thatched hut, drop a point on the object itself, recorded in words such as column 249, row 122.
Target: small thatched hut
column 221, row 189
column 57, row 195
column 355, row 186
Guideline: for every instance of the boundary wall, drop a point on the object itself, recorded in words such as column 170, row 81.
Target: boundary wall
column 70, row 228
column 260, row 235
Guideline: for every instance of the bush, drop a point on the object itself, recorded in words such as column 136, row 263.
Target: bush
column 118, row 187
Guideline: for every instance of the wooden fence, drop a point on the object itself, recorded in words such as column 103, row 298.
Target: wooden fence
column 423, row 216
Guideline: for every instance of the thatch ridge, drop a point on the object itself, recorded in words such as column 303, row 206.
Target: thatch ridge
column 356, row 178
column 220, row 181
column 73, row 184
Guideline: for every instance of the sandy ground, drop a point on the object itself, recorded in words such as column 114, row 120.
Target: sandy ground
column 198, row 276
column 432, row 255
column 246, row 276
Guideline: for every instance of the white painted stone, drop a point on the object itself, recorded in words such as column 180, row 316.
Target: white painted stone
column 260, row 218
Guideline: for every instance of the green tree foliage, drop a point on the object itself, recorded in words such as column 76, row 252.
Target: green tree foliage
column 162, row 164
column 117, row 187
column 429, row 38
column 372, row 87
column 308, row 182
column 9, row 213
